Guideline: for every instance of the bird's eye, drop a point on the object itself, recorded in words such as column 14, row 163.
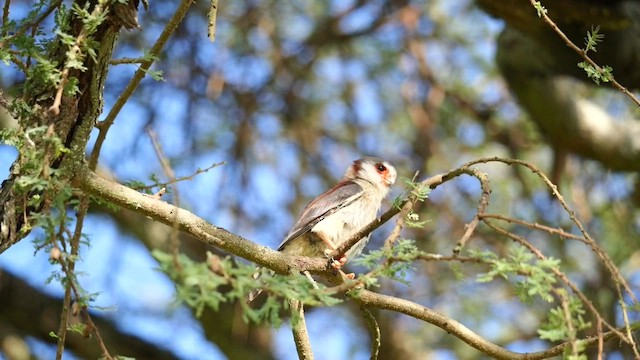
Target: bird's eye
column 381, row 168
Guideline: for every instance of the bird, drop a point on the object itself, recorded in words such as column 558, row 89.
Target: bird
column 339, row 213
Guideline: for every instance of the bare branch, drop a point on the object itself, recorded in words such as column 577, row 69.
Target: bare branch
column 618, row 278
column 374, row 329
column 299, row 329
column 536, row 226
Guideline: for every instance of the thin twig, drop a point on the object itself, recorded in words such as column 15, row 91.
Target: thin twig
column 168, row 171
column 182, row 178
column 154, row 53
column 613, row 270
column 482, row 206
column 555, row 231
column 438, row 257
column 213, row 15
column 122, row 61
column 571, row 330
column 560, row 275
column 581, row 52
column 374, row 330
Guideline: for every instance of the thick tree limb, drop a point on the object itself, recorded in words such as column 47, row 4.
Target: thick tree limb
column 72, row 122
column 196, row 226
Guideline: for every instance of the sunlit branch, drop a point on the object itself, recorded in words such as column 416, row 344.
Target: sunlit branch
column 197, row 227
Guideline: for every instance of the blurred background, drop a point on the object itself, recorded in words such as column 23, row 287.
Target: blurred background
column 287, row 97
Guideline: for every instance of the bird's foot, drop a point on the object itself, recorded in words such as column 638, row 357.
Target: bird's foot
column 339, row 262
column 349, row 276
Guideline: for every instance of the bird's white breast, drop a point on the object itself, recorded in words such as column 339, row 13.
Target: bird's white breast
column 344, row 223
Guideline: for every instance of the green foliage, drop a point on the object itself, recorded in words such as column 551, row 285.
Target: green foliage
column 50, row 196
column 419, row 190
column 91, row 20
column 396, row 265
column 534, row 276
column 157, row 75
column 539, row 8
column 78, row 328
column 44, row 74
column 564, row 323
column 208, row 284
column 593, row 38
column 37, row 146
column 604, row 74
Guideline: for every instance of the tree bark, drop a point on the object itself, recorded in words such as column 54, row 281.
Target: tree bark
column 77, row 116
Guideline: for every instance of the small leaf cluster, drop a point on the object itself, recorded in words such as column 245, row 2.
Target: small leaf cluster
column 541, row 10
column 557, row 328
column 32, row 50
column 597, row 74
column 604, row 74
column 417, row 189
column 209, row 284
column 392, row 262
column 43, row 186
column 534, row 276
column 594, row 37
column 17, row 43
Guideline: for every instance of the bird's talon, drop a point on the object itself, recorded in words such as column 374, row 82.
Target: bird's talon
column 349, row 276
column 343, row 260
column 339, row 262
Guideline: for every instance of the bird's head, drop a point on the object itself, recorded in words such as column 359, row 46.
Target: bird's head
column 373, row 170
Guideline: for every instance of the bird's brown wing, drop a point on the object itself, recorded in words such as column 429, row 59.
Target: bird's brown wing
column 334, row 199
